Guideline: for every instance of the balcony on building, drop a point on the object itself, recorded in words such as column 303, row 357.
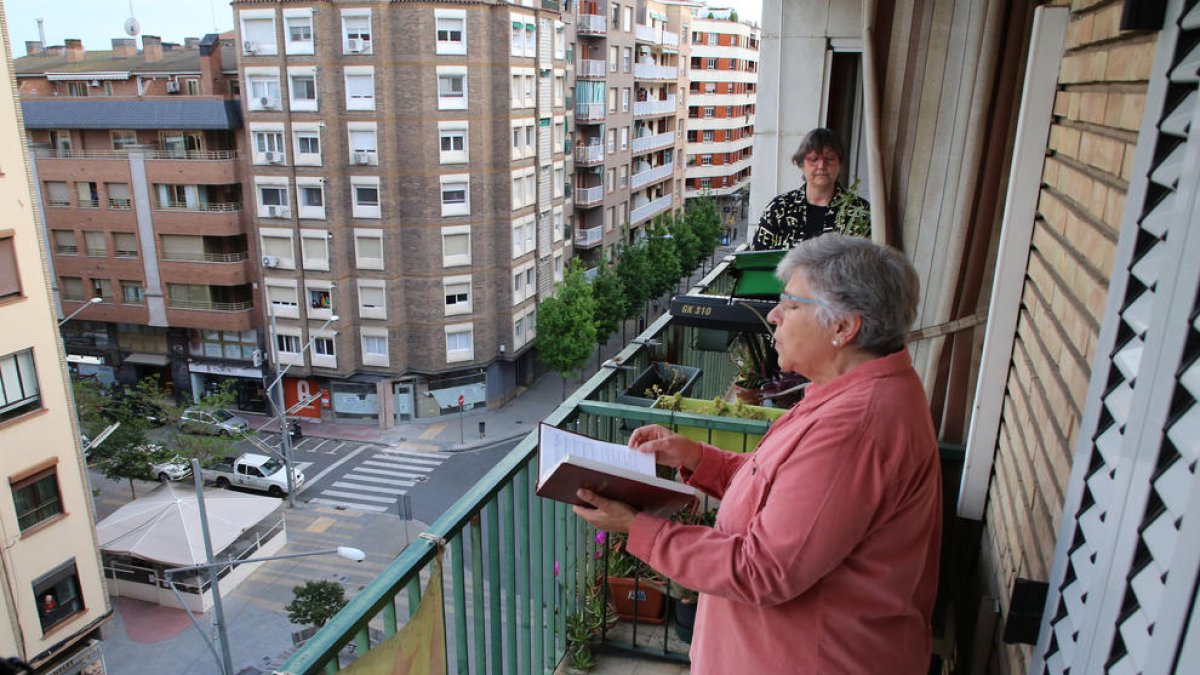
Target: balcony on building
column 589, row 196
column 645, row 208
column 193, row 305
column 589, row 113
column 198, row 209
column 591, row 24
column 649, row 142
column 589, row 237
column 218, row 260
column 589, row 152
column 654, row 107
column 645, row 174
column 591, row 69
column 646, row 70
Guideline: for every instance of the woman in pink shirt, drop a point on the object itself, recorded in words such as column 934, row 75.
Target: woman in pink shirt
column 824, row 556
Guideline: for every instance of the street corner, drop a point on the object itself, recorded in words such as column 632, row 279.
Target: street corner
column 149, row 623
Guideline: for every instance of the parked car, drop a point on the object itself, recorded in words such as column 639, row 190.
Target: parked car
column 175, row 468
column 218, row 421
column 253, row 471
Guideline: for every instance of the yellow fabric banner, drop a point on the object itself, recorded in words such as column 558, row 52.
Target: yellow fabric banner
column 419, row 648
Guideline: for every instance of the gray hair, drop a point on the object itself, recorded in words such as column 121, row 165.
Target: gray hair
column 818, row 140
column 852, row 276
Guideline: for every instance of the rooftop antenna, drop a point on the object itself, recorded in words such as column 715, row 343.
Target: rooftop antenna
column 132, row 27
column 41, row 30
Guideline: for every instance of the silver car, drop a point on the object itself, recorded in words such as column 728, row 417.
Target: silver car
column 175, row 468
column 218, row 421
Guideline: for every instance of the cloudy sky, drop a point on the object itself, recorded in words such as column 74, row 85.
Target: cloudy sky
column 96, row 22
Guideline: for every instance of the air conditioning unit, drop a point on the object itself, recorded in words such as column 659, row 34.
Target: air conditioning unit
column 354, row 45
column 272, row 211
column 249, row 47
column 273, row 157
column 362, row 157
column 270, row 261
column 96, row 83
column 266, row 102
column 172, row 87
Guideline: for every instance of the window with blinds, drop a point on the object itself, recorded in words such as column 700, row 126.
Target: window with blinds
column 125, row 245
column 368, row 249
column 19, row 391
column 372, row 299
column 182, row 247
column 10, row 280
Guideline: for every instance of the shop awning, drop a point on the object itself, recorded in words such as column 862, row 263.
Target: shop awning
column 144, row 359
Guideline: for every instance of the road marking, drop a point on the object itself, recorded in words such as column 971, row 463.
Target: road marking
column 318, row 446
column 338, row 447
column 368, row 488
column 302, row 442
column 432, row 431
column 336, row 464
column 385, row 472
column 321, row 524
column 351, row 505
column 376, row 479
column 398, row 465
column 355, row 495
column 301, row 466
column 415, row 446
column 418, row 457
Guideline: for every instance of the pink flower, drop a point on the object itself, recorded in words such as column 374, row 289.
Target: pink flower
column 555, row 568
column 601, row 536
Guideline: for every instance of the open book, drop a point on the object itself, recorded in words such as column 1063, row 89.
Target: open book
column 568, row 461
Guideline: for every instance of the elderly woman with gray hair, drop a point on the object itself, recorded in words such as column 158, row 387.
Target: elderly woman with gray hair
column 824, row 555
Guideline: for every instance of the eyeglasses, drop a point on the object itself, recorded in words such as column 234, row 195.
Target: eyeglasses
column 828, row 158
column 797, row 298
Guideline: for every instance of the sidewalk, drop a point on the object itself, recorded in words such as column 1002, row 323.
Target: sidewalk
column 513, row 420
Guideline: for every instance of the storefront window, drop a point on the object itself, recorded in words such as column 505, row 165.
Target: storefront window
column 355, row 402
column 223, row 344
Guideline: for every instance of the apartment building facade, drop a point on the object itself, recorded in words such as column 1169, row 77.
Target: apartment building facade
column 139, row 172
column 407, row 176
column 53, row 590
column 628, row 134
column 722, row 87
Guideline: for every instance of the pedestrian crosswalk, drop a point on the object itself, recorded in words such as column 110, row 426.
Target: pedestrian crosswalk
column 377, row 483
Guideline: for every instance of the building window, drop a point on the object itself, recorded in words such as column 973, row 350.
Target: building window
column 269, row 148
column 456, row 246
column 360, row 88
column 10, row 281
column 125, row 245
column 708, row 136
column 356, row 28
column 102, row 288
column 118, row 196
column 627, row 59
column 298, row 28
column 452, row 142
column 65, row 242
column 320, row 298
column 314, row 245
column 368, row 249
column 37, row 498
column 460, row 343
column 324, row 346
column 456, row 195
column 308, row 145
column 372, row 299
column 458, row 295
column 452, row 87
column 258, row 32
column 273, row 201
column 264, row 91
column 363, row 143
column 281, row 296
column 123, row 138
column 287, row 343
column 57, row 595
column 365, row 191
column 312, row 198
column 57, row 194
column 303, row 91
column 132, row 293
column 277, row 248
column 375, row 347
column 71, row 289
column 451, row 27
column 19, row 391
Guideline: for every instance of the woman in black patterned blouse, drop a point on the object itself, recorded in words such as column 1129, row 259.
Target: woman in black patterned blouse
column 818, row 206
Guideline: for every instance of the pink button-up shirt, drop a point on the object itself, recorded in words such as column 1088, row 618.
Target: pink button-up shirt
column 824, row 556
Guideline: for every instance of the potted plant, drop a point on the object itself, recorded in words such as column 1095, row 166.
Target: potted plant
column 633, row 587
column 657, row 380
column 759, row 377
column 726, row 439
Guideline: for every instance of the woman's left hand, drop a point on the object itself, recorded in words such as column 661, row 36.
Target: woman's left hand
column 605, row 514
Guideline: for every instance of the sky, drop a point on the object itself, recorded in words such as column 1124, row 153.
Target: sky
column 97, row 22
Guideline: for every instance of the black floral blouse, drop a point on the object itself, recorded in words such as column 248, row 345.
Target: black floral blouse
column 790, row 219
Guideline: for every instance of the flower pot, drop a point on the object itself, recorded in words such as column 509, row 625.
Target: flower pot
column 748, row 395
column 685, row 618
column 650, row 603
column 726, row 440
column 660, row 379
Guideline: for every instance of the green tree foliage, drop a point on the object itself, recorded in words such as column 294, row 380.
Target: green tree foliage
column 705, row 222
column 566, row 331
column 609, row 296
column 687, row 244
column 315, row 603
column 665, row 269
column 633, row 269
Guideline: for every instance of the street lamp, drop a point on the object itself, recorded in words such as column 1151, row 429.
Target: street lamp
column 94, row 301
column 275, row 395
column 225, row 658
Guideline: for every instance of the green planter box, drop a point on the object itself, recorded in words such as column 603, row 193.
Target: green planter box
column 726, row 439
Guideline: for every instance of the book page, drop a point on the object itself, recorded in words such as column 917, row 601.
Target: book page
column 555, row 444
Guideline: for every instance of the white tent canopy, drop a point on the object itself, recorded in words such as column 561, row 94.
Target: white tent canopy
column 165, row 527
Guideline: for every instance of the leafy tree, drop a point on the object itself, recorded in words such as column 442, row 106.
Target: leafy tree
column 687, row 244
column 733, row 15
column 315, row 603
column 633, row 269
column 609, row 297
column 665, row 269
column 705, row 222
column 566, row 330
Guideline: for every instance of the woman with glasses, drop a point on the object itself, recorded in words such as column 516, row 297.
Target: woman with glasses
column 824, row 555
column 819, row 206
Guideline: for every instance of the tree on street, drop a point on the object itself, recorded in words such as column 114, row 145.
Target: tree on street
column 315, row 603
column 566, row 331
column 609, row 298
column 633, row 269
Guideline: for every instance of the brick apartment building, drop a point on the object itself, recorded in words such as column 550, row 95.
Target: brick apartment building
column 139, row 171
column 407, row 176
column 722, row 92
column 628, row 115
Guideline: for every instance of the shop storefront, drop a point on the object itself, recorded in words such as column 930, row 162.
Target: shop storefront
column 246, row 382
column 354, row 402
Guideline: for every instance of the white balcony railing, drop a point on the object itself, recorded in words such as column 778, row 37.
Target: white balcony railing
column 589, row 112
column 643, row 178
column 646, row 34
column 589, row 154
column 650, row 108
column 648, row 143
column 590, row 68
column 647, row 211
column 590, row 237
column 591, row 24
column 589, row 196
column 650, row 71
column 670, row 39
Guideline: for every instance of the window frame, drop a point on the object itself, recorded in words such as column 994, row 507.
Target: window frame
column 449, row 46
column 26, row 385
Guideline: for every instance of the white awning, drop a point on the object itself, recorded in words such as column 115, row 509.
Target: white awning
column 80, row 77
column 144, row 359
column 221, row 369
column 82, row 358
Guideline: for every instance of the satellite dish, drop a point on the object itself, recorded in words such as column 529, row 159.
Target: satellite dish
column 132, row 27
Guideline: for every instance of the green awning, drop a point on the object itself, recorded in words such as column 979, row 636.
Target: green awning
column 518, row 24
